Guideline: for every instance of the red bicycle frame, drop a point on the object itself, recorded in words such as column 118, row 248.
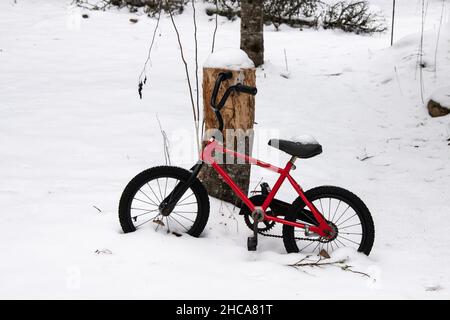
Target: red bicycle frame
column 323, row 229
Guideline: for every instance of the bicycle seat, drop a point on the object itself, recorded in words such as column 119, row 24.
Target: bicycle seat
column 303, row 146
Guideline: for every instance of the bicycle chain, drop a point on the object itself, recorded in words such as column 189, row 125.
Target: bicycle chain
column 296, row 238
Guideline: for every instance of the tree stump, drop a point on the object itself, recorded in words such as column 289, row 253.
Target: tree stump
column 238, row 117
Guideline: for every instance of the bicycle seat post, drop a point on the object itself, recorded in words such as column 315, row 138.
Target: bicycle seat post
column 292, row 161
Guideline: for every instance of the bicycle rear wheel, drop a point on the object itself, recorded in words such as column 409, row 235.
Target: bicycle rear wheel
column 344, row 211
column 139, row 204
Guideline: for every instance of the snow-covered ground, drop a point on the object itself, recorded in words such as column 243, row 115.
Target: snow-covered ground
column 73, row 132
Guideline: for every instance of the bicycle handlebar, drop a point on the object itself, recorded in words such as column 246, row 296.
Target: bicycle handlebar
column 246, row 89
column 238, row 87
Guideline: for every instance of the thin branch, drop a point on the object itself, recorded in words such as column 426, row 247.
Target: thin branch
column 393, row 22
column 437, row 40
column 215, row 27
column 196, row 76
column 165, row 143
column 285, row 60
column 144, row 69
column 187, row 74
column 347, row 268
column 421, row 65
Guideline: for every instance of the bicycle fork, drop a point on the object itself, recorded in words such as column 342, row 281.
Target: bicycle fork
column 168, row 204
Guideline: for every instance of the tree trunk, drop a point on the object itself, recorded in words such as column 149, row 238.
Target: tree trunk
column 238, row 117
column 252, row 24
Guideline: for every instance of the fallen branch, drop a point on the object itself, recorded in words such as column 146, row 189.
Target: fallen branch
column 342, row 264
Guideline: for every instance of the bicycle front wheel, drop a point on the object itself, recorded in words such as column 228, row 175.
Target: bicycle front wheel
column 139, row 204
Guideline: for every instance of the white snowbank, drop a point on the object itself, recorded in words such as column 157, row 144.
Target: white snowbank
column 441, row 96
column 51, row 145
column 304, row 139
column 229, row 58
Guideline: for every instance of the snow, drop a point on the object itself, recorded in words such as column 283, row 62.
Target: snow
column 73, row 132
column 441, row 96
column 304, row 139
column 229, row 58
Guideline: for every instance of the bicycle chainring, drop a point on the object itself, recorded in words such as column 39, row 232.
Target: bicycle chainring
column 265, row 225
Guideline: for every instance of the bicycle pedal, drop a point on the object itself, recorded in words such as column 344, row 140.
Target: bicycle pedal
column 252, row 243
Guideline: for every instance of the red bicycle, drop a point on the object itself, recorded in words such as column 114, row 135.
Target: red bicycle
column 173, row 198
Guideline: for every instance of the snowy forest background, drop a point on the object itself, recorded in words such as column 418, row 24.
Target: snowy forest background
column 73, row 132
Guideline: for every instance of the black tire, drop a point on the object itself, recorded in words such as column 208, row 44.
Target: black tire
column 164, row 173
column 367, row 235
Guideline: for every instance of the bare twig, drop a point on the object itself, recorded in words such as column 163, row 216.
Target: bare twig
column 437, row 40
column 421, row 63
column 393, row 22
column 165, row 143
column 347, row 268
column 364, row 158
column 398, row 80
column 143, row 75
column 85, row 4
column 196, row 76
column 215, row 27
column 285, row 60
column 187, row 76
column 231, row 215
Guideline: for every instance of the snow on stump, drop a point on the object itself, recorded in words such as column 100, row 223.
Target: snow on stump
column 238, row 117
column 439, row 103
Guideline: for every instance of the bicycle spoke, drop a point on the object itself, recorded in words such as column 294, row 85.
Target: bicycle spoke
column 359, row 234
column 316, row 247
column 142, row 209
column 349, row 240
column 147, row 196
column 306, row 246
column 181, row 201
column 337, row 246
column 329, row 210
column 152, row 204
column 356, row 224
column 176, row 212
column 336, row 210
column 346, row 220
column 179, row 223
column 322, row 212
column 141, row 214
column 186, row 211
column 342, row 214
column 340, row 242
column 154, row 193
column 185, row 204
column 167, row 221
column 159, row 187
column 146, row 221
column 158, row 224
column 165, row 188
